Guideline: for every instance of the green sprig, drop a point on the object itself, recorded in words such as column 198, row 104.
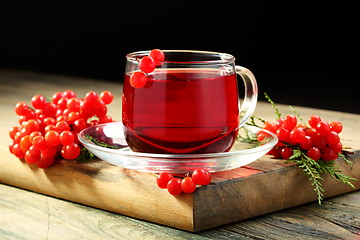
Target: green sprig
column 277, row 112
column 311, row 168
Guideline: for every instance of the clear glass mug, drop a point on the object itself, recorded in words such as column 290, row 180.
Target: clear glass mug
column 189, row 104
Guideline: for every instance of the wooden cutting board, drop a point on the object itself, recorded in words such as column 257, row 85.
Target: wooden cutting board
column 264, row 186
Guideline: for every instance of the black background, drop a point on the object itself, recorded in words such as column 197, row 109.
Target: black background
column 302, row 53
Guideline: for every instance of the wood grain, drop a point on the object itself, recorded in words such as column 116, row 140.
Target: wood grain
column 111, row 188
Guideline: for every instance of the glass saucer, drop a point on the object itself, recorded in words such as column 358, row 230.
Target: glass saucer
column 245, row 150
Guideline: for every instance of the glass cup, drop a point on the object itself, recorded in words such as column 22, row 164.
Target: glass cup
column 189, row 104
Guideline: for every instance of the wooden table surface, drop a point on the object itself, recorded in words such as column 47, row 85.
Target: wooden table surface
column 29, row 215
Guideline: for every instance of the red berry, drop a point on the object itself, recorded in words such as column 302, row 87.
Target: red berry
column 39, row 142
column 61, row 126
column 73, row 104
column 261, row 136
column 157, row 55
column 80, row 124
column 306, row 143
column 314, row 120
column 276, row 152
column 49, row 109
column 91, row 97
column 30, row 159
column 71, row 151
column 280, row 122
column 270, row 126
column 290, row 122
column 286, row 152
column 201, row 176
column 105, row 119
column 323, row 128
column 69, row 94
column 174, row 186
column 311, row 132
column 66, row 137
column 16, row 150
column 13, row 131
column 147, row 64
column 107, row 97
column 25, row 143
column 188, row 185
column 52, row 138
column 138, row 79
column 48, row 152
column 332, row 138
column 336, row 126
column 100, row 109
column 45, row 162
column 297, row 135
column 337, row 147
column 21, row 108
column 283, row 134
column 163, row 179
column 38, row 101
column 34, row 152
column 329, row 154
column 32, row 126
column 56, row 97
column 314, row 153
column 319, row 142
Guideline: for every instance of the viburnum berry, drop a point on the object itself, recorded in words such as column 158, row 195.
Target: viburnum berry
column 174, row 186
column 286, row 152
column 91, row 97
column 69, row 94
column 329, row 154
column 49, row 133
column 188, row 185
column 138, row 79
column 106, row 96
column 320, row 140
column 157, row 55
column 283, row 134
column 323, row 128
column 297, row 135
column 314, row 153
column 147, row 64
column 71, row 151
column 290, row 122
column 201, row 176
column 163, row 179
column 21, row 108
column 38, row 101
column 66, row 137
column 270, row 126
column 332, row 138
column 306, row 143
column 336, row 126
column 314, row 120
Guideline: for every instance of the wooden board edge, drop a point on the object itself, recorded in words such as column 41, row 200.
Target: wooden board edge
column 102, row 187
column 260, row 194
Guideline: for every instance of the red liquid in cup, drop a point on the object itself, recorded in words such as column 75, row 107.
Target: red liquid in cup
column 181, row 111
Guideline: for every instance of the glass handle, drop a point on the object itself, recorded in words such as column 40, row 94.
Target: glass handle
column 248, row 105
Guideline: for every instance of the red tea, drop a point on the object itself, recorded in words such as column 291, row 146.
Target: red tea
column 181, row 111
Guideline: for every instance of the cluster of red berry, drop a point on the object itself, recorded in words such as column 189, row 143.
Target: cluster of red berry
column 48, row 131
column 320, row 141
column 147, row 64
column 176, row 186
